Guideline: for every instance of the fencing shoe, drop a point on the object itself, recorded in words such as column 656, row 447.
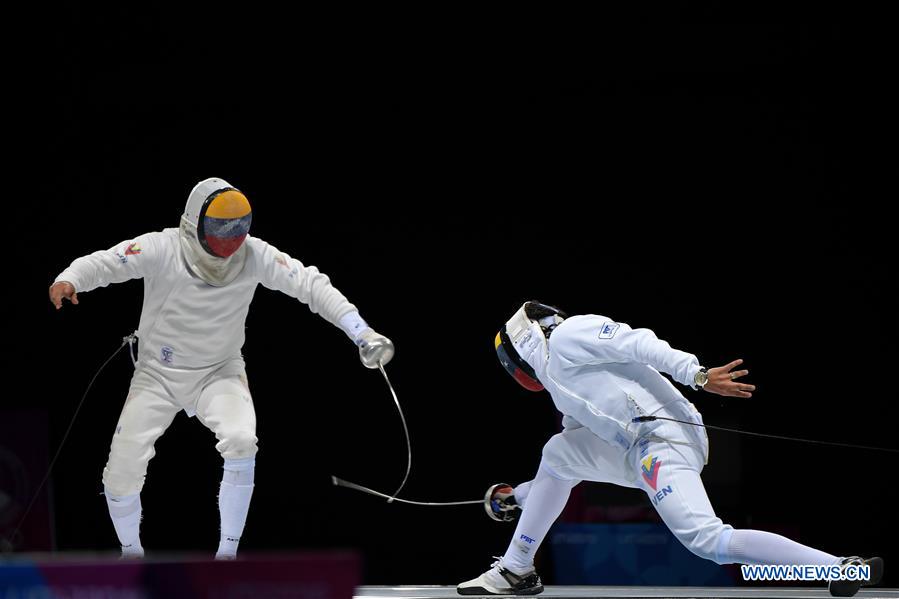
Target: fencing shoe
column 848, row 588
column 498, row 580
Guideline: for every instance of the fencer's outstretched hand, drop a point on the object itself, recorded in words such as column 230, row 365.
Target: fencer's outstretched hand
column 723, row 381
column 60, row 291
column 374, row 348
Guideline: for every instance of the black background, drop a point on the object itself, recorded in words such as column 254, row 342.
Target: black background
column 692, row 177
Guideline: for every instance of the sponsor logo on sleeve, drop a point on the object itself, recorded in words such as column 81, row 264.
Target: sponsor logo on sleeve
column 608, row 330
column 133, row 250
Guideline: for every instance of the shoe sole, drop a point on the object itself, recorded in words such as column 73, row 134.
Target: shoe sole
column 876, row 564
column 846, row 588
column 484, row 591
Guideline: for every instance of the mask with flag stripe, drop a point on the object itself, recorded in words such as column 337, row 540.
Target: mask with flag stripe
column 224, row 222
column 532, row 318
column 214, row 229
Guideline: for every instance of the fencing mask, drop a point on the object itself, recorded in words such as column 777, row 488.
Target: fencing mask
column 215, row 224
column 522, row 341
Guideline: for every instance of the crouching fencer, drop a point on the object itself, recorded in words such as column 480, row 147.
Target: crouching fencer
column 602, row 375
column 199, row 280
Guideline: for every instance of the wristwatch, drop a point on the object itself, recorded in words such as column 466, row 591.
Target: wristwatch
column 701, row 377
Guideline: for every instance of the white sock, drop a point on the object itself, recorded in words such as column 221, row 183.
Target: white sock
column 125, row 512
column 546, row 498
column 757, row 547
column 234, row 502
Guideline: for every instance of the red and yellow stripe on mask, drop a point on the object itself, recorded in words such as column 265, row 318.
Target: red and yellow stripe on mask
column 520, row 370
column 224, row 222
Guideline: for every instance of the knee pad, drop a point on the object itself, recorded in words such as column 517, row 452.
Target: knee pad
column 126, row 468
column 121, row 482
column 547, row 470
column 237, row 444
column 555, row 452
column 552, row 446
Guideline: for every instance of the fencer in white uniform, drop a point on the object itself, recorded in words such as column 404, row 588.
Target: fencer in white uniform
column 199, row 280
column 602, row 375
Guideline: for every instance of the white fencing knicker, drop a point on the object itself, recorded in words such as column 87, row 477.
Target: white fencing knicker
column 219, row 396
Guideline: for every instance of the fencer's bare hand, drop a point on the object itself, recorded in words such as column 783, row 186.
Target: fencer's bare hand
column 723, row 381
column 60, row 291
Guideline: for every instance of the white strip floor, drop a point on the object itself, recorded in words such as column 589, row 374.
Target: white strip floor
column 591, row 592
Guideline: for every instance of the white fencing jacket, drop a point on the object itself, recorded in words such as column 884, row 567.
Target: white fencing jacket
column 601, row 374
column 186, row 323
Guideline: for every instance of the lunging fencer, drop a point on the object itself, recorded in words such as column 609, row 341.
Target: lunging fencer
column 602, row 375
column 199, row 280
